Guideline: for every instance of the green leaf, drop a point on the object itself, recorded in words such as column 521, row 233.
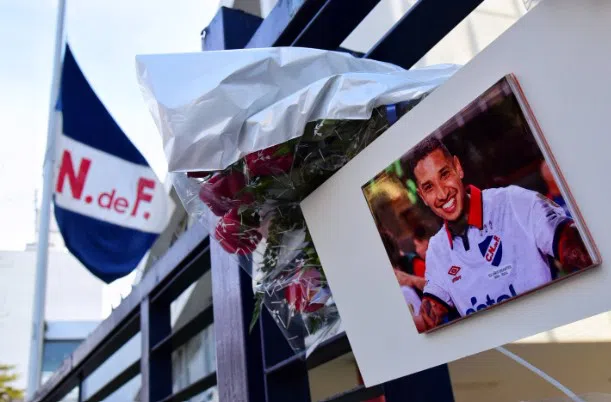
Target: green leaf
column 8, row 392
column 284, row 149
column 256, row 313
column 398, row 168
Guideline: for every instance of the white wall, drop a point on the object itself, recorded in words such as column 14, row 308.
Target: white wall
column 72, row 294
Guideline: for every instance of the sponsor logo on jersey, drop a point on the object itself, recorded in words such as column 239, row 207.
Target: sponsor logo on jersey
column 454, row 270
column 490, row 301
column 492, row 250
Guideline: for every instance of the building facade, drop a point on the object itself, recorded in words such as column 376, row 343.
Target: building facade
column 74, row 307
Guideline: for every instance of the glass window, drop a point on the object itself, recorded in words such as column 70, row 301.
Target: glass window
column 54, row 353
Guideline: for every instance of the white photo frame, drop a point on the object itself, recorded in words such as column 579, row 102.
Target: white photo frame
column 560, row 54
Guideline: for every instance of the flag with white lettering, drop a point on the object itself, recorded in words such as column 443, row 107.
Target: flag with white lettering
column 109, row 205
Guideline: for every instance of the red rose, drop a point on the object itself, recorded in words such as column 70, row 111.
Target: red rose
column 223, row 192
column 267, row 162
column 236, row 237
column 213, row 193
column 305, row 293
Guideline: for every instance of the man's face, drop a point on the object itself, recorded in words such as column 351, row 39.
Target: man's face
column 440, row 184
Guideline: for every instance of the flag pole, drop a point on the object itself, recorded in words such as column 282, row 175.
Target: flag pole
column 42, row 251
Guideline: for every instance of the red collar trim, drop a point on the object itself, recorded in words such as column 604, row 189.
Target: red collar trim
column 445, row 225
column 476, row 212
column 476, row 208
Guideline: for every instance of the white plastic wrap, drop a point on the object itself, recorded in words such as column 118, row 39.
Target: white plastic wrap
column 213, row 108
column 249, row 133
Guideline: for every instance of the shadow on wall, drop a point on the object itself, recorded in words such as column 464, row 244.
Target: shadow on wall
column 491, row 376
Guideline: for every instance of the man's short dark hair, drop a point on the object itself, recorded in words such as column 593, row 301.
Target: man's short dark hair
column 423, row 149
column 420, row 233
column 390, row 245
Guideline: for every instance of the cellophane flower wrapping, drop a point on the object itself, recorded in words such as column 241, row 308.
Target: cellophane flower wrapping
column 252, row 209
column 251, row 205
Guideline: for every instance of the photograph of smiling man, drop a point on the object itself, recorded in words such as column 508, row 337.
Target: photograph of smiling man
column 476, row 185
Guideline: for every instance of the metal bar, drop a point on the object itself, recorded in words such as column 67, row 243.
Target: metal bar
column 115, row 383
column 99, row 342
column 189, row 330
column 290, row 384
column 333, row 23
column 81, row 389
column 145, row 372
column 42, row 251
column 156, row 370
column 238, row 379
column 421, row 28
column 122, row 335
column 172, row 287
column 193, row 389
column 358, row 394
column 221, row 32
column 430, row 385
column 352, row 52
column 254, row 356
column 328, row 350
column 284, row 23
column 68, row 376
column 239, row 372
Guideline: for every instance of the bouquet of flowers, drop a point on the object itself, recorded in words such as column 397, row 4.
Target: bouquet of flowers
column 279, row 152
column 256, row 205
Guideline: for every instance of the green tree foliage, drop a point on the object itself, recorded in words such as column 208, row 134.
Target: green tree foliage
column 8, row 393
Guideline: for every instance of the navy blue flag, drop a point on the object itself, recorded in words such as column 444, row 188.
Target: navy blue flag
column 109, row 205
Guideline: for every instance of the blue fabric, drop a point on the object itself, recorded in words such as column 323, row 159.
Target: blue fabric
column 108, row 251
column 86, row 119
column 391, row 114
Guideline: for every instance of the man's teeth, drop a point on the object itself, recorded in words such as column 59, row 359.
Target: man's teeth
column 449, row 204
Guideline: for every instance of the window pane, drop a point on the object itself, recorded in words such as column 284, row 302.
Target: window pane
column 54, row 353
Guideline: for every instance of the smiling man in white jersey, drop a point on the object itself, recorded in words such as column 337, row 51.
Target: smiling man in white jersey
column 494, row 244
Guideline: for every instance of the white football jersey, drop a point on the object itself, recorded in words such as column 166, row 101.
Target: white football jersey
column 412, row 299
column 511, row 232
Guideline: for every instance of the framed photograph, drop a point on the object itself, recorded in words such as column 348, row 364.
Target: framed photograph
column 478, row 214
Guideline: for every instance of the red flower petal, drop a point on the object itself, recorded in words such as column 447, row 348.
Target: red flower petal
column 215, row 194
column 223, row 192
column 303, row 287
column 266, row 163
column 235, row 237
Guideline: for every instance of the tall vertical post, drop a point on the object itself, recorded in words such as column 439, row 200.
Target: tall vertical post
column 291, row 383
column 42, row 251
column 238, row 351
column 155, row 370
